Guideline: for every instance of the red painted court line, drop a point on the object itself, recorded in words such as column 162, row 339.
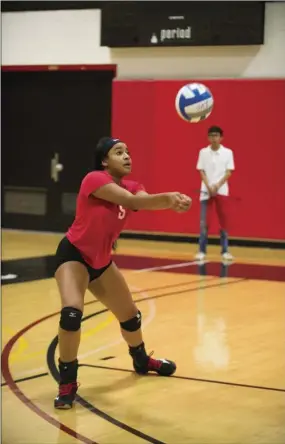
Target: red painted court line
column 15, row 389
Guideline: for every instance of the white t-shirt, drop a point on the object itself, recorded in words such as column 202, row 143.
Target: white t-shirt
column 215, row 164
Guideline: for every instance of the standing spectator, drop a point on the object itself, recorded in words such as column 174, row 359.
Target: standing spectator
column 215, row 164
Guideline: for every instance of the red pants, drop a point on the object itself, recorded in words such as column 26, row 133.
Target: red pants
column 221, row 204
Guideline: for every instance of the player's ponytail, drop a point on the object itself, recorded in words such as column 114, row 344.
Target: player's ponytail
column 103, row 147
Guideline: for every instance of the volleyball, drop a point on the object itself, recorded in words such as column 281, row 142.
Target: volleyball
column 194, row 102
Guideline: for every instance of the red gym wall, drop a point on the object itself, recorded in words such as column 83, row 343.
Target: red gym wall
column 165, row 149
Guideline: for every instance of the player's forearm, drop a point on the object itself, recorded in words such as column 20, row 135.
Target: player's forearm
column 204, row 179
column 224, row 179
column 150, row 202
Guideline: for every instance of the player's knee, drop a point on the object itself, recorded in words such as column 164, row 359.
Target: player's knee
column 70, row 319
column 132, row 324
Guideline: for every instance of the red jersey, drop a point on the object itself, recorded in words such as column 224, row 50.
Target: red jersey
column 98, row 223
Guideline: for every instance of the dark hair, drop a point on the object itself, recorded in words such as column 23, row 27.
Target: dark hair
column 101, row 151
column 216, row 129
column 99, row 154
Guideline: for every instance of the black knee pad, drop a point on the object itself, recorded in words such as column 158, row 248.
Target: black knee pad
column 70, row 319
column 133, row 324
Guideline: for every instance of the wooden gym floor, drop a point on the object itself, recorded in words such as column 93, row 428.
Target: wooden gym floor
column 223, row 325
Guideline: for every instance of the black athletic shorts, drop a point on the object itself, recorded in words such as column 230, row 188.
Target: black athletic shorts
column 67, row 252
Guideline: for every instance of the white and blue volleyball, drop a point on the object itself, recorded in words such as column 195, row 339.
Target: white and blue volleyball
column 194, row 102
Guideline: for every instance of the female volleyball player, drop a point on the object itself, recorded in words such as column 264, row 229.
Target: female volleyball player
column 83, row 257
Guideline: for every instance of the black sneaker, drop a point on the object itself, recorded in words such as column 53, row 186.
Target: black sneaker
column 66, row 396
column 163, row 367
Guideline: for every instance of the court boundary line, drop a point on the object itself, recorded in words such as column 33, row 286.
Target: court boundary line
column 212, row 381
column 171, row 266
column 28, row 378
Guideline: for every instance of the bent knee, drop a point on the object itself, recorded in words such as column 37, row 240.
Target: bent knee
column 132, row 324
column 70, row 319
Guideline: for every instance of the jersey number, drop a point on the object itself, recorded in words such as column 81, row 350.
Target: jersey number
column 122, row 212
